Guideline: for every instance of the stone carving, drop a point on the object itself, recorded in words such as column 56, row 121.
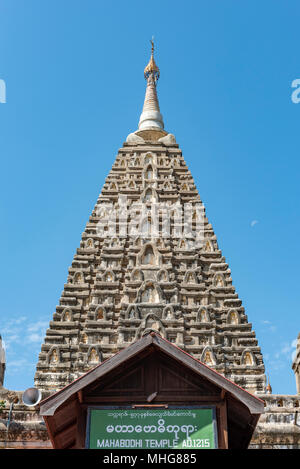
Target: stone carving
column 134, row 139
column 93, row 356
column 115, row 282
column 247, row 358
column 168, row 140
column 233, row 317
column 67, row 315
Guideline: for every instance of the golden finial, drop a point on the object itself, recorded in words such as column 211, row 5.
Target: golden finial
column 152, row 68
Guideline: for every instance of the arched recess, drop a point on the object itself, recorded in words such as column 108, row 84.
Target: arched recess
column 149, row 195
column 108, row 276
column 190, row 277
column 195, row 215
column 149, row 159
column 137, row 241
column 233, row 317
column 248, row 358
column 151, row 322
column 208, row 246
column 219, row 280
column 159, row 242
column 150, row 292
column 203, row 315
column 101, row 313
column 114, row 243
column 208, row 356
column 102, row 212
column 182, row 244
column 94, row 355
column 89, row 244
column 163, row 276
column 168, row 313
column 78, row 277
column 132, row 312
column 150, row 295
column 149, row 173
column 137, row 275
column 113, row 187
column 146, row 226
column 67, row 315
column 131, row 184
column 149, row 255
column 167, row 186
column 84, row 338
column 53, row 356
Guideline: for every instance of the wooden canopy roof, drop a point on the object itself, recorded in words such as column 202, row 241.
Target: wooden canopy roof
column 150, row 366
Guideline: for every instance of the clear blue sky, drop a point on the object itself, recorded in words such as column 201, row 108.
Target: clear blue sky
column 75, row 88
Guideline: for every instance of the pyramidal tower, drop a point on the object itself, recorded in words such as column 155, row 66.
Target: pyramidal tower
column 149, row 260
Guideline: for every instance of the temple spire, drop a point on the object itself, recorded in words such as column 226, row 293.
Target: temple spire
column 151, row 116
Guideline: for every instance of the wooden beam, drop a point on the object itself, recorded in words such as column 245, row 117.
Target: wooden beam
column 224, row 423
column 165, row 398
column 81, row 428
column 69, row 424
column 66, row 437
column 80, row 396
column 48, row 426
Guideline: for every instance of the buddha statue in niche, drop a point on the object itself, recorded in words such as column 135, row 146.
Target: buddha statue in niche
column 93, row 356
column 148, row 257
column 150, row 295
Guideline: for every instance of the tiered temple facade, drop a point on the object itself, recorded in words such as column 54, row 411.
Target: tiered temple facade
column 136, row 271
column 124, row 283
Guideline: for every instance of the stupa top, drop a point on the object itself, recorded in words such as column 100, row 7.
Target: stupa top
column 151, row 124
column 151, row 117
column 151, row 68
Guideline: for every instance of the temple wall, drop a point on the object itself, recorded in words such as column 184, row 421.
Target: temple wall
column 21, row 427
column 278, row 427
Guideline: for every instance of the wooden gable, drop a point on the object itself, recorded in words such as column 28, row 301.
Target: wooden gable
column 154, row 373
column 151, row 373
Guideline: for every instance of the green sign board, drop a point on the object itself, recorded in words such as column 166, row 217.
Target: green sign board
column 185, row 428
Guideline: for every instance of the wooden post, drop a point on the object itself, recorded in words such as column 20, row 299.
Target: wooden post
column 223, row 424
column 80, row 428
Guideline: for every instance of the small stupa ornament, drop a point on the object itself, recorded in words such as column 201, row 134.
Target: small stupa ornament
column 268, row 387
column 151, row 117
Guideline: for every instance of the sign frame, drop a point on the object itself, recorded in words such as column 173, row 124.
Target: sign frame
column 130, row 407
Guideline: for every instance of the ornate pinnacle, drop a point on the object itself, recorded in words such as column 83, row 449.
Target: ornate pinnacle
column 268, row 387
column 151, row 116
column 151, row 68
